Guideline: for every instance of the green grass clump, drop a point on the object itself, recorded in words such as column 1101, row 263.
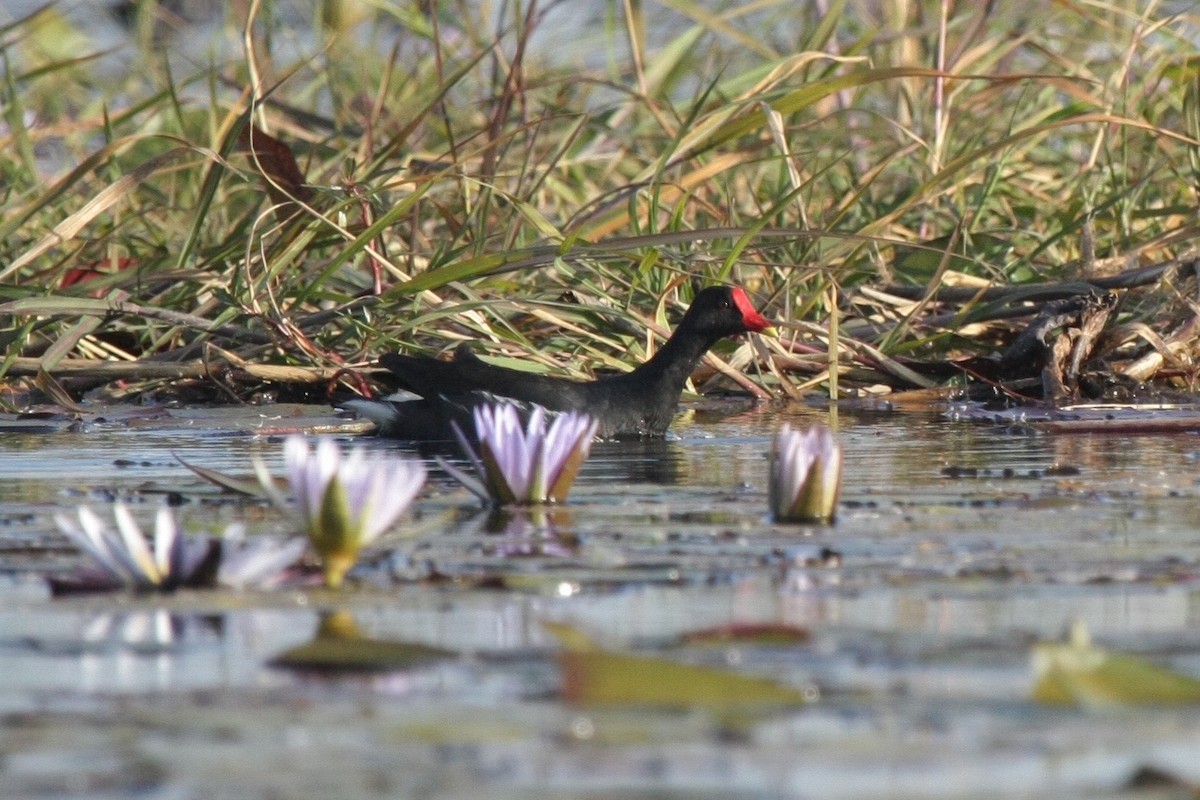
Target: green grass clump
column 309, row 194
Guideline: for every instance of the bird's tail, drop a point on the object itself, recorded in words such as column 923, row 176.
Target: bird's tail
column 383, row 413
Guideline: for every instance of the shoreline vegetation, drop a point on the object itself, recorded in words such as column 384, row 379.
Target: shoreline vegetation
column 973, row 202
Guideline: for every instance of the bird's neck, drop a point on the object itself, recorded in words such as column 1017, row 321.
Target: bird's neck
column 675, row 361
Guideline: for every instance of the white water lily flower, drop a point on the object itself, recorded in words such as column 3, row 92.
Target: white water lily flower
column 806, row 474
column 258, row 560
column 524, row 466
column 127, row 558
column 344, row 502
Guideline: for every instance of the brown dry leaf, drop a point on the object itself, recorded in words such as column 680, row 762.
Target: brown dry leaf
column 276, row 163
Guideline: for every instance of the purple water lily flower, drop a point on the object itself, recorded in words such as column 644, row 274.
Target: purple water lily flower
column 524, row 465
column 806, row 474
column 126, row 558
column 257, row 560
column 170, row 560
column 344, row 501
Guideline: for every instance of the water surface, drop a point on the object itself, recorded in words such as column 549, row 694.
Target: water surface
column 958, row 545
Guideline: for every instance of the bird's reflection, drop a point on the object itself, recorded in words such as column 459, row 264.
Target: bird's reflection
column 654, row 461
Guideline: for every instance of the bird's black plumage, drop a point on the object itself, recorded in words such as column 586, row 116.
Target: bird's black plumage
column 638, row 403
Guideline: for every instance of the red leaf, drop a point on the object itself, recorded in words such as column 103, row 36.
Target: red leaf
column 95, row 269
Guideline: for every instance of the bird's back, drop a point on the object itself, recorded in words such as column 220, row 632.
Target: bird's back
column 467, row 374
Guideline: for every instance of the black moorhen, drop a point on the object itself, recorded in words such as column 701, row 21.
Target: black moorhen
column 640, row 403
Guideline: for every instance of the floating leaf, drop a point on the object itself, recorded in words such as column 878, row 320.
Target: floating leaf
column 1079, row 673
column 339, row 646
column 592, row 676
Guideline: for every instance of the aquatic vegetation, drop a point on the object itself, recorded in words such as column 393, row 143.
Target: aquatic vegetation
column 343, row 501
column 595, row 676
column 545, row 206
column 258, row 561
column 1077, row 672
column 170, row 560
column 806, row 474
column 341, row 646
column 527, row 465
column 126, row 558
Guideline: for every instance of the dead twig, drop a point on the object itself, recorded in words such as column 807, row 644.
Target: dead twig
column 142, row 370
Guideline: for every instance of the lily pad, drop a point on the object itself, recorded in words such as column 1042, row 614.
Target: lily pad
column 595, row 677
column 1079, row 673
column 339, row 646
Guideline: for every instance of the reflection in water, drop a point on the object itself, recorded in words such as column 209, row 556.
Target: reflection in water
column 748, row 417
column 340, row 646
column 654, row 461
column 147, row 633
column 528, row 531
column 66, row 651
column 135, row 649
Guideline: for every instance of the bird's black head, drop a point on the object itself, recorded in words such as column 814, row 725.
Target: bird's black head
column 720, row 311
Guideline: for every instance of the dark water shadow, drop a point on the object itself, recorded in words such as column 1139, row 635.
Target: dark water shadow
column 654, row 461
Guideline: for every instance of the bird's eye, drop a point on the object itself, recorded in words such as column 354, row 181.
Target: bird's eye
column 724, row 304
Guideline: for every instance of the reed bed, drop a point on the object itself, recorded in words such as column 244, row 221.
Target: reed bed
column 895, row 181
